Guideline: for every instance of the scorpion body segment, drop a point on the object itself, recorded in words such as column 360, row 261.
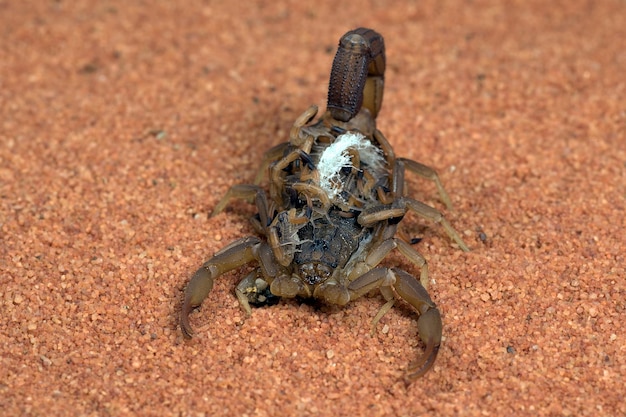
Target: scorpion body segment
column 337, row 193
column 356, row 78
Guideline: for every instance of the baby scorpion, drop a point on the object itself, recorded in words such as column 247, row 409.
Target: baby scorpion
column 336, row 195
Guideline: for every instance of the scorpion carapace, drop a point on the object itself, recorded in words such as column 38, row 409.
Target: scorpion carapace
column 336, row 196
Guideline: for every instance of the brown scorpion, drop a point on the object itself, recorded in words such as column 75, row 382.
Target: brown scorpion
column 336, row 195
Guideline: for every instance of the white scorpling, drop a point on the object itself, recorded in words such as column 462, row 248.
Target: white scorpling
column 336, row 157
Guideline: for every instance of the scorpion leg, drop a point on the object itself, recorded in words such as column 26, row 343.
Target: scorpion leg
column 277, row 173
column 434, row 215
column 282, row 235
column 413, row 292
column 381, row 250
column 426, row 172
column 246, row 191
column 313, row 191
column 415, row 257
column 236, row 254
column 272, row 155
column 277, row 152
column 247, row 291
column 399, row 208
column 356, row 78
column 384, row 144
column 376, row 255
column 296, row 136
column 255, row 290
column 376, row 214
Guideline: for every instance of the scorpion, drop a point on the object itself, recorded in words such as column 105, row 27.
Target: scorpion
column 336, row 195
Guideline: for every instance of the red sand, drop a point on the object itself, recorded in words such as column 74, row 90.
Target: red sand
column 123, row 123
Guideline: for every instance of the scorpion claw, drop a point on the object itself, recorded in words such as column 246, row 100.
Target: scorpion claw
column 184, row 321
column 429, row 324
column 199, row 287
column 429, row 327
column 238, row 253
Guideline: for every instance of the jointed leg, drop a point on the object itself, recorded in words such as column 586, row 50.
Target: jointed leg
column 234, row 255
column 399, row 208
column 429, row 324
column 296, row 140
column 247, row 289
column 238, row 253
column 312, row 191
column 273, row 154
column 428, row 173
column 435, row 216
column 357, row 75
column 282, row 235
column 410, row 290
column 254, row 289
column 384, row 144
column 381, row 250
column 277, row 173
column 246, row 192
column 296, row 136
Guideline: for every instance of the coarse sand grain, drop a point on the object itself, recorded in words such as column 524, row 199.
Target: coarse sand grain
column 124, row 122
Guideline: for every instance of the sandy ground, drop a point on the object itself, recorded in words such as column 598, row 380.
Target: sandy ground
column 124, row 122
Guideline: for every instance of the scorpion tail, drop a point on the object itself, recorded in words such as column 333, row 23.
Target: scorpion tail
column 357, row 75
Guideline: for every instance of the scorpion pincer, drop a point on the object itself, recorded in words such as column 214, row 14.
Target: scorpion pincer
column 335, row 197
